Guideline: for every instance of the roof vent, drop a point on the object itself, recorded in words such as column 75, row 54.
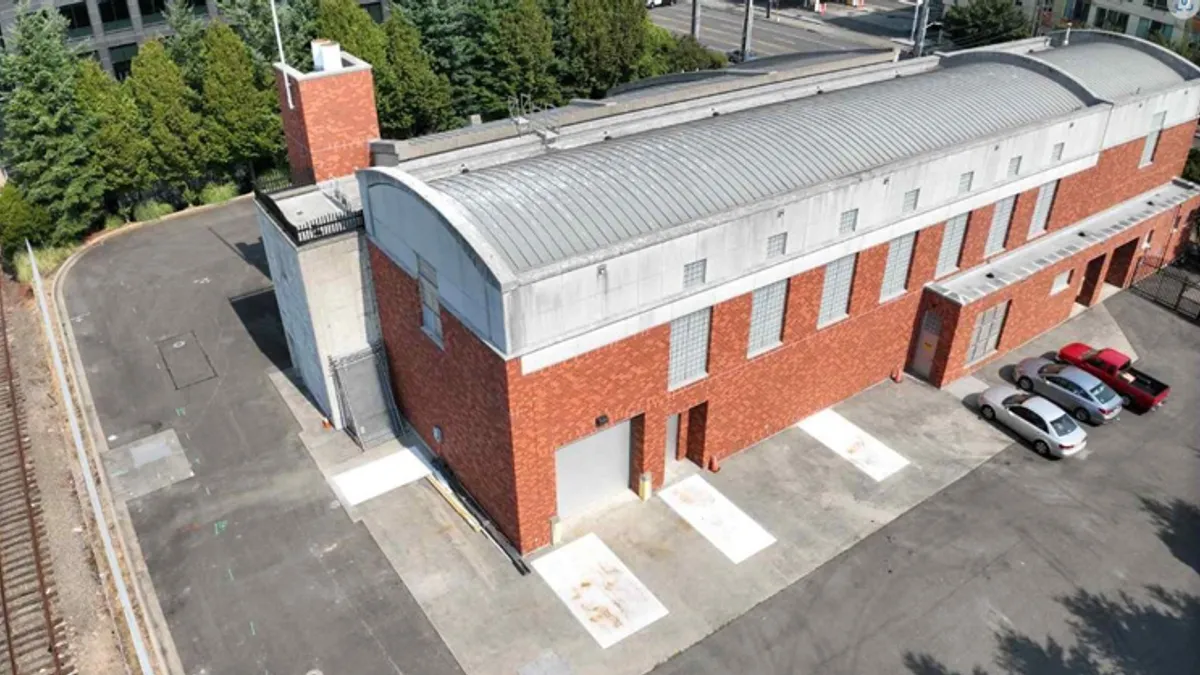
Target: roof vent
column 327, row 56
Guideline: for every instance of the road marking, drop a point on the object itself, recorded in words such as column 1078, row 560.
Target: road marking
column 383, row 475
column 719, row 520
column 599, row 590
column 853, row 444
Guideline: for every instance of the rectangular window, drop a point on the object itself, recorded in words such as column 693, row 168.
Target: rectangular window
column 952, row 243
column 1061, row 283
column 910, row 200
column 693, row 273
column 375, row 9
column 152, row 11
column 689, row 348
column 122, row 59
column 986, row 336
column 1001, row 219
column 1149, row 237
column 766, row 317
column 1057, row 153
column 114, row 14
column 777, row 245
column 1151, row 145
column 1041, row 211
column 431, row 309
column 79, row 24
column 965, row 182
column 848, row 222
column 895, row 273
column 835, row 296
column 1014, row 167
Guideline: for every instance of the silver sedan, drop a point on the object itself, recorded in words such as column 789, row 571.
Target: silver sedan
column 1052, row 431
column 1086, row 397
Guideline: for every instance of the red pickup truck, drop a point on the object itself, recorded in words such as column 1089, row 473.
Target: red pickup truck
column 1137, row 389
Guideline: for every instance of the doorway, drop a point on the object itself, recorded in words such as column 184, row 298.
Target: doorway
column 927, row 343
column 697, row 421
column 1091, row 278
column 592, row 469
column 1121, row 265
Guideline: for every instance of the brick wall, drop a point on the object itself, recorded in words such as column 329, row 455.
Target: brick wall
column 461, row 388
column 329, row 129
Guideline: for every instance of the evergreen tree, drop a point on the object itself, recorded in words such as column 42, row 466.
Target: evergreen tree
column 20, row 220
column 42, row 145
column 169, row 124
column 113, row 132
column 413, row 99
column 346, row 22
column 186, row 46
column 985, row 22
column 524, row 54
column 251, row 19
column 607, row 39
column 241, row 123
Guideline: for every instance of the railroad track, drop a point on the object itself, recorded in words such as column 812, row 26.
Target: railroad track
column 35, row 639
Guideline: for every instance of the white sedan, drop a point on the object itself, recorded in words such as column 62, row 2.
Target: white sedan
column 1053, row 432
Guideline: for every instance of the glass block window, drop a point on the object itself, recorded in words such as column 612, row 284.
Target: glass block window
column 986, row 335
column 895, row 273
column 965, row 182
column 693, row 273
column 1014, row 166
column 1151, row 145
column 848, row 222
column 952, row 243
column 1061, row 282
column 431, row 311
column 835, row 296
column 1001, row 219
column 911, row 198
column 1057, row 153
column 777, row 245
column 1041, row 211
column 766, row 317
column 689, row 348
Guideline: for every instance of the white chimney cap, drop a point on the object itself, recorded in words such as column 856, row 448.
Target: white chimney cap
column 327, row 56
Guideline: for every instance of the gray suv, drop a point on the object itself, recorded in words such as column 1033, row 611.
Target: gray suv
column 1085, row 397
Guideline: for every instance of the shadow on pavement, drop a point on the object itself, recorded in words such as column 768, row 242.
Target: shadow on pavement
column 259, row 313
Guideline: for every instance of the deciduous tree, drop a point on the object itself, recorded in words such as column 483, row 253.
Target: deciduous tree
column 20, row 220
column 607, row 38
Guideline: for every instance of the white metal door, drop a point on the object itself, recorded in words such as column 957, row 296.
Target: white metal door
column 927, row 342
column 671, row 450
column 592, row 469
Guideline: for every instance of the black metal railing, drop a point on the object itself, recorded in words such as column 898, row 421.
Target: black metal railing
column 313, row 229
column 1175, row 285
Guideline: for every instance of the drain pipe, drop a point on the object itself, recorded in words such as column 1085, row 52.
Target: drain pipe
column 489, row 528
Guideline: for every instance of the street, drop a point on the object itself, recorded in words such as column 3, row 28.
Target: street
column 721, row 29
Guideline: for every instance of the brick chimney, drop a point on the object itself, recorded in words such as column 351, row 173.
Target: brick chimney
column 331, row 117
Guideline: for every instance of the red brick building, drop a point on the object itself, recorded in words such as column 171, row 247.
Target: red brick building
column 568, row 311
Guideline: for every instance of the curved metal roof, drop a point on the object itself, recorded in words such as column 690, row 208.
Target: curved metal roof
column 1112, row 70
column 549, row 208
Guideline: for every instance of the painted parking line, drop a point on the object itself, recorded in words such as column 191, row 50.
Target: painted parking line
column 716, row 518
column 853, row 444
column 599, row 590
column 375, row 478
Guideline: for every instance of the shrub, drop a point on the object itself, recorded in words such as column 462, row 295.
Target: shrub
column 113, row 221
column 48, row 260
column 215, row 193
column 151, row 210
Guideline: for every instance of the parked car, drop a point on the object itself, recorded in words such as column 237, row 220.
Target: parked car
column 735, row 55
column 1051, row 431
column 1088, row 399
column 651, row 4
column 1137, row 389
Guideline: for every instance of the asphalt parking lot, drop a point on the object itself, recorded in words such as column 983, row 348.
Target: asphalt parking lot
column 256, row 567
column 1026, row 565
column 721, row 29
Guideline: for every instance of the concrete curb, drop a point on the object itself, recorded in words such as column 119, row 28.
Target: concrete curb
column 152, row 617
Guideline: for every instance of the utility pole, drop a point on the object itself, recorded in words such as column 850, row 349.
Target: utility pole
column 922, row 24
column 696, row 20
column 747, row 25
column 912, row 34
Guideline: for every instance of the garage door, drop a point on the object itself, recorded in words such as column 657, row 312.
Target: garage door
column 592, row 469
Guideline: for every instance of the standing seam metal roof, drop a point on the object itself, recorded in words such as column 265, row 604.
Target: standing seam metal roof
column 1112, row 70
column 545, row 209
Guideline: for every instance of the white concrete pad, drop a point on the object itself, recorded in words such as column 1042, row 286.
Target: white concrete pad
column 965, row 386
column 853, row 444
column 599, row 590
column 716, row 518
column 370, row 480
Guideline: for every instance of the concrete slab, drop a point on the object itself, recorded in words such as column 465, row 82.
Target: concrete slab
column 149, row 464
column 599, row 590
column 853, row 444
column 367, row 481
column 716, row 518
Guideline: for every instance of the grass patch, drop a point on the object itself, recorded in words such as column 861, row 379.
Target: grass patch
column 151, row 210
column 48, row 260
column 112, row 222
column 215, row 193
